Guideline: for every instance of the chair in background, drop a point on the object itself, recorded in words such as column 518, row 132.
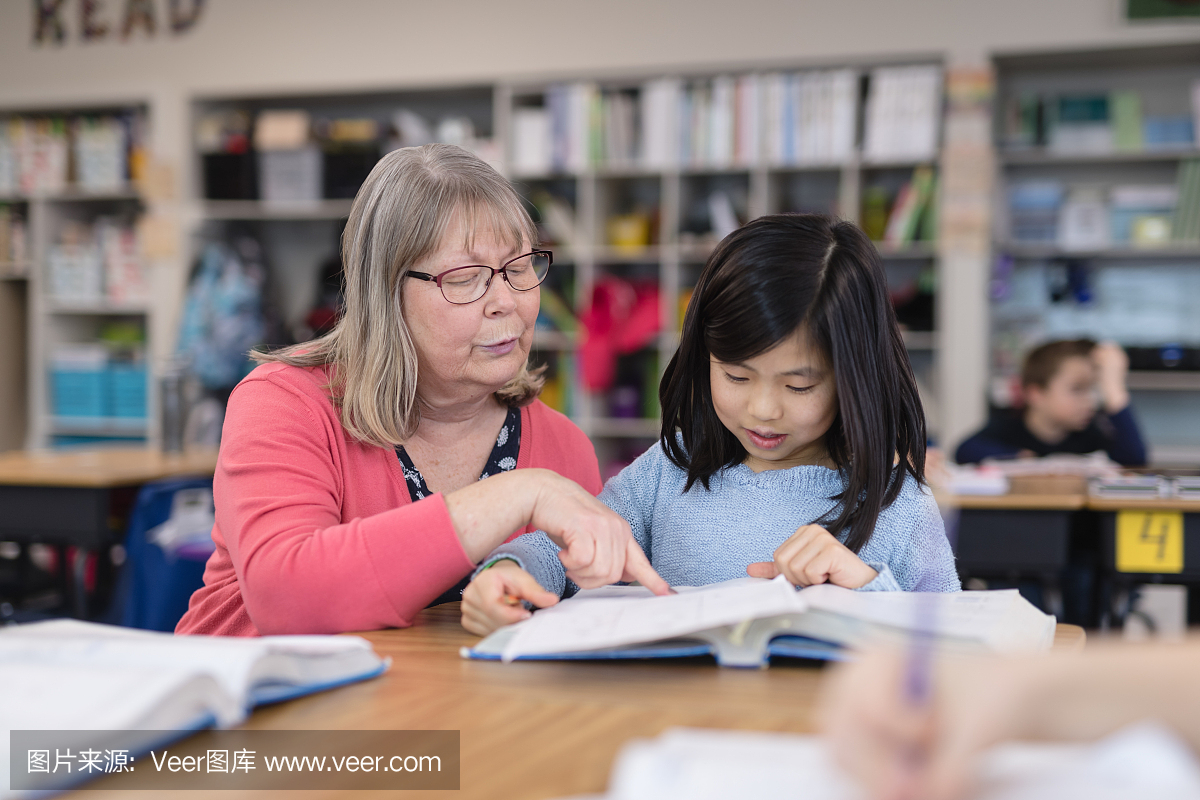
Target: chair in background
column 157, row 581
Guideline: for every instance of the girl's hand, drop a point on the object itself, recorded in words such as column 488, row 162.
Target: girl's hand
column 812, row 555
column 493, row 599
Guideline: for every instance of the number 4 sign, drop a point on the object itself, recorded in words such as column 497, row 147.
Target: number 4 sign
column 1150, row 541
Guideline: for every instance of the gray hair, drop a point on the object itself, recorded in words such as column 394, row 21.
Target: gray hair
column 399, row 217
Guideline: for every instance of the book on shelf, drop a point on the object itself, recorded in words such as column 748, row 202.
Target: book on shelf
column 659, row 131
column 1127, row 122
column 810, row 116
column 1141, row 214
column 69, row 675
column 904, row 106
column 746, row 621
column 913, row 203
column 532, row 147
column 571, row 109
column 617, row 129
column 1084, row 223
column 1080, row 124
column 1185, row 224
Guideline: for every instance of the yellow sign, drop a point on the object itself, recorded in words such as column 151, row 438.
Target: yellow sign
column 1150, row 541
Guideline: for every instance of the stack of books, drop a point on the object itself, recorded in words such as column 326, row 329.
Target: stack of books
column 904, row 107
column 1033, row 210
column 810, row 117
column 1131, row 487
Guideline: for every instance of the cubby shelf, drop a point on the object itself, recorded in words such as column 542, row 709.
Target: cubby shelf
column 1042, row 157
column 1164, row 381
column 1136, row 294
column 1046, row 251
column 262, row 210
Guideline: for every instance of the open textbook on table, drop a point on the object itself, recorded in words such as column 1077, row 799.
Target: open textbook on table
column 744, row 622
column 66, row 675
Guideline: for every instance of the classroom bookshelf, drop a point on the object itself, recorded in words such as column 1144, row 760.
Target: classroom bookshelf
column 69, row 206
column 1097, row 230
column 632, row 180
column 282, row 170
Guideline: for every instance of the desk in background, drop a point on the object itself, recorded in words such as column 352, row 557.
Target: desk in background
column 1007, row 535
column 1163, row 540
column 80, row 499
column 538, row 730
column 1036, row 536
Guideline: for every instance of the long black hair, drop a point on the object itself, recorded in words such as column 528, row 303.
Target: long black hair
column 767, row 281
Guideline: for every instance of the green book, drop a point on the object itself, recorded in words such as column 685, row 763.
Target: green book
column 928, row 231
column 1126, row 115
column 1185, row 227
column 922, row 184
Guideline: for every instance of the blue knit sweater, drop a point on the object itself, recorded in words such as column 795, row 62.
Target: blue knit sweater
column 701, row 537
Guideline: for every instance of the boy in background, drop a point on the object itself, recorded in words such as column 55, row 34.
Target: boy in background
column 1060, row 382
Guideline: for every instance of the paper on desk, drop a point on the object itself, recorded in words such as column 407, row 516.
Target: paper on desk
column 618, row 616
column 1142, row 761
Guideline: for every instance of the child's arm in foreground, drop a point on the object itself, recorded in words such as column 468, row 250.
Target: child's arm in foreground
column 902, row 752
column 532, row 568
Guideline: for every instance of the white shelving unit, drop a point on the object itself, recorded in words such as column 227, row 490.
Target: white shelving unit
column 674, row 259
column 299, row 236
column 51, row 322
column 1162, row 78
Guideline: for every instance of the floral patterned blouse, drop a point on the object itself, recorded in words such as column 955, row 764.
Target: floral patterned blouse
column 502, row 459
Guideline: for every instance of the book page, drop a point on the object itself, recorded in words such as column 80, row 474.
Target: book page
column 235, row 663
column 618, row 616
column 1002, row 620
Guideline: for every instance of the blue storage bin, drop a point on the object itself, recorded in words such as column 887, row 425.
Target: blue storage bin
column 127, row 391
column 79, row 393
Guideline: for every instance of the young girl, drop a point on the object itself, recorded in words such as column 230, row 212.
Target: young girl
column 793, row 440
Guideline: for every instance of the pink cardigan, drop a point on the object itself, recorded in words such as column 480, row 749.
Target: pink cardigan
column 316, row 532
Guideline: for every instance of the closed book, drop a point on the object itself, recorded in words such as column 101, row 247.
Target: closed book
column 1126, row 110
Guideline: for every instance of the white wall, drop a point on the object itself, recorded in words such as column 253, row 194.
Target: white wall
column 301, row 44
column 273, row 46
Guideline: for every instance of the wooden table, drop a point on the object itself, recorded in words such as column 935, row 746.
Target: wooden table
column 538, row 730
column 80, row 498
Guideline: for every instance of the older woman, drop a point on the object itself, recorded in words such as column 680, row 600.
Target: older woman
column 349, row 491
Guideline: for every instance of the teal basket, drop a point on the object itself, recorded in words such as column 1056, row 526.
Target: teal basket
column 79, row 393
column 127, row 392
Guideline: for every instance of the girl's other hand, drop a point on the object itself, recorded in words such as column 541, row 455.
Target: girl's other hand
column 493, row 599
column 812, row 555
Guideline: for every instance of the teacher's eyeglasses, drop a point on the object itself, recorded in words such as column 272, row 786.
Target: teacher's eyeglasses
column 463, row 285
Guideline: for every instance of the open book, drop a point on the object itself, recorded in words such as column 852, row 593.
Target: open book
column 69, row 675
column 744, row 622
